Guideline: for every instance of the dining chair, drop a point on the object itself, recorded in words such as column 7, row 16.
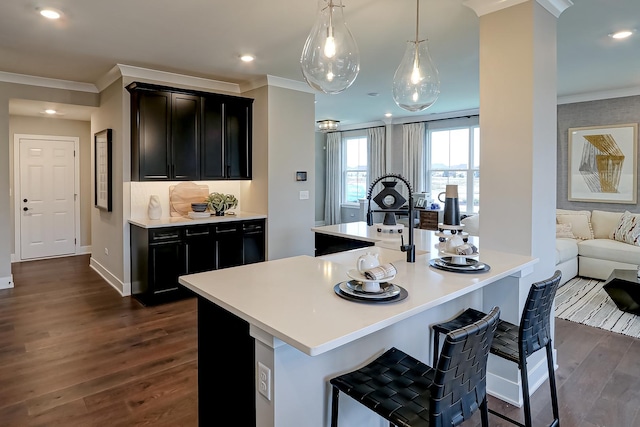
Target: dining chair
column 409, row 393
column 517, row 342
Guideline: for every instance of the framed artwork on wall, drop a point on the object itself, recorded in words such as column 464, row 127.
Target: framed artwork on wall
column 102, row 170
column 603, row 164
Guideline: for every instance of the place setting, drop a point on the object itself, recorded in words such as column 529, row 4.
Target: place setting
column 371, row 282
column 458, row 256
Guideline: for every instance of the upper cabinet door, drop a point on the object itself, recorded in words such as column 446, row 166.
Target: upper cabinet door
column 185, row 137
column 238, row 138
column 212, row 140
column 150, row 139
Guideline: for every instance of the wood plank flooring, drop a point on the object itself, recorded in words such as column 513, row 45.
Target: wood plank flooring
column 73, row 352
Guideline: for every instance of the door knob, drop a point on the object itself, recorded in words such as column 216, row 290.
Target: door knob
column 25, row 209
column 24, row 200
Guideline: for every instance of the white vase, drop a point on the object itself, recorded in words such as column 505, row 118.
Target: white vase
column 155, row 210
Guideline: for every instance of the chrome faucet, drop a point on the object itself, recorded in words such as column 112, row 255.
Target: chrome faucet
column 410, row 248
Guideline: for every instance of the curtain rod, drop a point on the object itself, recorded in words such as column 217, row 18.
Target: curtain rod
column 408, row 123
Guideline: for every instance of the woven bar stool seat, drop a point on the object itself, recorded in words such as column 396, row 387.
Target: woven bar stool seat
column 409, row 393
column 517, row 342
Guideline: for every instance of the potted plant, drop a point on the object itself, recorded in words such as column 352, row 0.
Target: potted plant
column 219, row 202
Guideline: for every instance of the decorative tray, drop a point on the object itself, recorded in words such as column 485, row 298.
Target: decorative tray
column 389, row 293
column 471, row 265
column 356, row 275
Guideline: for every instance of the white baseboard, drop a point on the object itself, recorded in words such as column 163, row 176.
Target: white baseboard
column 510, row 391
column 6, row 282
column 122, row 288
column 83, row 250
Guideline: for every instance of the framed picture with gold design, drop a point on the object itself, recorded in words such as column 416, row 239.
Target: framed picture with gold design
column 603, row 164
column 102, row 170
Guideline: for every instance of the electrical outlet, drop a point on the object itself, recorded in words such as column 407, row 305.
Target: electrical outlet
column 264, row 381
column 106, row 251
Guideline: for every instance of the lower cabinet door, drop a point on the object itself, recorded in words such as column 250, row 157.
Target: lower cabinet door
column 229, row 245
column 200, row 249
column 166, row 264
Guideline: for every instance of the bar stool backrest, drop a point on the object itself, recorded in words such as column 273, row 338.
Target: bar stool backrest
column 535, row 324
column 460, row 380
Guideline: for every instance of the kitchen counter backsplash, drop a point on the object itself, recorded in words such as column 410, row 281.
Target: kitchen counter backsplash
column 142, row 190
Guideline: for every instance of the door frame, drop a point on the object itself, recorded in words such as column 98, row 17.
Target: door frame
column 17, row 196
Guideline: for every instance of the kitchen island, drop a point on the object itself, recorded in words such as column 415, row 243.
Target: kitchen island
column 274, row 333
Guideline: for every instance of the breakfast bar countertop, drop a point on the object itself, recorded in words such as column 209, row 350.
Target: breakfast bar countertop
column 316, row 320
column 182, row 221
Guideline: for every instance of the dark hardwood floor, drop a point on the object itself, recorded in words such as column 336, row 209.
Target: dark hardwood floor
column 73, row 352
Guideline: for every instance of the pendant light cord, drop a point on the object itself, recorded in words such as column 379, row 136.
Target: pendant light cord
column 417, row 18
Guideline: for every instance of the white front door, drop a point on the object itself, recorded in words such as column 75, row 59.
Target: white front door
column 47, row 198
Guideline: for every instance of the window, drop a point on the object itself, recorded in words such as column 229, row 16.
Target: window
column 355, row 171
column 454, row 158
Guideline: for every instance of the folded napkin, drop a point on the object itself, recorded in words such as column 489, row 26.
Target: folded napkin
column 380, row 272
column 466, row 249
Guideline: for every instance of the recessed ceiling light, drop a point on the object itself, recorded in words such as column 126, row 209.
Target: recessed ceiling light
column 50, row 111
column 247, row 58
column 388, row 115
column 621, row 34
column 50, row 13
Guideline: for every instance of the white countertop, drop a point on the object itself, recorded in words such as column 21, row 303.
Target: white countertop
column 424, row 240
column 181, row 221
column 293, row 298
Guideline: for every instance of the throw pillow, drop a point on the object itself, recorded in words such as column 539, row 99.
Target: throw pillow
column 604, row 223
column 564, row 231
column 580, row 224
column 628, row 229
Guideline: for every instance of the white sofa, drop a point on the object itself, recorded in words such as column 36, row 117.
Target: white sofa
column 604, row 240
column 584, row 243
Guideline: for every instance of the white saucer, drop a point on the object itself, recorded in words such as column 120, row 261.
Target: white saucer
column 356, row 275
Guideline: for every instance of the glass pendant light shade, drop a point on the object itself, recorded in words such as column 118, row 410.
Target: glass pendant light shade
column 416, row 85
column 330, row 59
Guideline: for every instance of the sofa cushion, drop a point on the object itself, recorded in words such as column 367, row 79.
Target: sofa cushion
column 580, row 222
column 628, row 229
column 610, row 250
column 566, row 249
column 564, row 231
column 603, row 223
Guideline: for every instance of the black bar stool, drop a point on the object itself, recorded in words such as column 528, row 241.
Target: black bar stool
column 516, row 343
column 409, row 393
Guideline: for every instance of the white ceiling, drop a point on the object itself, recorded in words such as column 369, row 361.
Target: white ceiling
column 205, row 39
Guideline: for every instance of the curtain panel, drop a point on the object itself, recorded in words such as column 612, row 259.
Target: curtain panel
column 376, row 155
column 333, row 189
column 413, row 143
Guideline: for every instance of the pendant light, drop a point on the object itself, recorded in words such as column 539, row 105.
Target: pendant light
column 416, row 85
column 330, row 60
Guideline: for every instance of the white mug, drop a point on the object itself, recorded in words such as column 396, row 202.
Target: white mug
column 367, row 261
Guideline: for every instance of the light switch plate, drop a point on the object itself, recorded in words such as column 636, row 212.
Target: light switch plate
column 304, row 194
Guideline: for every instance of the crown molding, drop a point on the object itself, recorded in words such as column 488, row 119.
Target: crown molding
column 597, row 96
column 484, row 7
column 172, row 79
column 25, row 79
column 281, row 82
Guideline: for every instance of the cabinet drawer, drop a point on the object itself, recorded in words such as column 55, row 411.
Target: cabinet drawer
column 160, row 235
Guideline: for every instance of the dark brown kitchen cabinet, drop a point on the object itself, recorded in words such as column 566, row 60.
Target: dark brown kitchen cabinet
column 160, row 255
column 165, row 135
column 187, row 135
column 226, row 142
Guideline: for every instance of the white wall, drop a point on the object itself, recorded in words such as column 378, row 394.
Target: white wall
column 291, row 148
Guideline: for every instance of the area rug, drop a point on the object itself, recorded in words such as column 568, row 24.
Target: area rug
column 584, row 301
